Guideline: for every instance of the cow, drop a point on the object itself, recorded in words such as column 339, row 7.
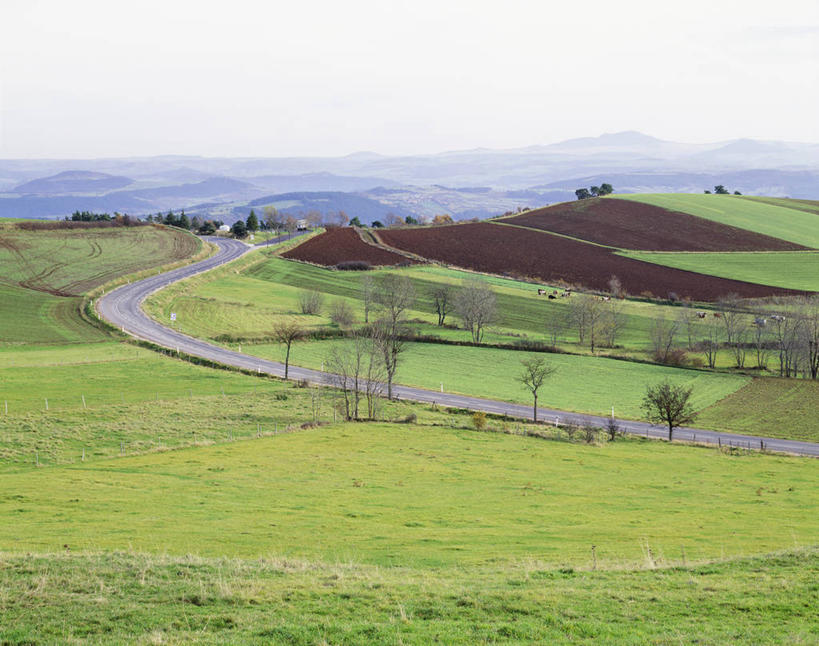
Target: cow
column 541, row 292
column 552, row 297
column 701, row 315
column 717, row 315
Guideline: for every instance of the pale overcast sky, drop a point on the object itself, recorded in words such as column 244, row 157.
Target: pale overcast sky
column 90, row 79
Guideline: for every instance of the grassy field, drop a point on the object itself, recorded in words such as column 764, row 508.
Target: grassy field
column 788, row 405
column 810, row 206
column 244, row 300
column 44, row 273
column 418, row 496
column 130, row 598
column 792, row 269
column 583, row 384
column 793, row 224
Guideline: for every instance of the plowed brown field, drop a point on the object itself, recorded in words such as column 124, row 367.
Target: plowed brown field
column 502, row 249
column 634, row 225
column 342, row 245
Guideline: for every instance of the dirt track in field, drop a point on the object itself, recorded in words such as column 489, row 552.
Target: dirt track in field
column 521, row 253
column 633, row 225
column 343, row 245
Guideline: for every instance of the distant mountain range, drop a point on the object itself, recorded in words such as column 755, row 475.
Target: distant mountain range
column 468, row 183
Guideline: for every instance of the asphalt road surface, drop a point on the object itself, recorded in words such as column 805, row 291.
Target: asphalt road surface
column 122, row 307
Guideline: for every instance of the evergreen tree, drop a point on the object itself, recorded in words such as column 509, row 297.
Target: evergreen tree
column 252, row 222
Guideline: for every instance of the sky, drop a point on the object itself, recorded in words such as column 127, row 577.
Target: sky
column 86, row 79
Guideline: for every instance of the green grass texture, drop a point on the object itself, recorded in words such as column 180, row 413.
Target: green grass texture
column 418, row 496
column 792, row 224
column 580, row 383
column 791, row 269
column 144, row 599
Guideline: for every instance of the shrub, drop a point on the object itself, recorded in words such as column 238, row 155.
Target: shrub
column 311, row 302
column 589, row 433
column 354, row 265
column 479, row 420
column 676, row 357
column 613, row 429
column 570, row 429
column 282, row 397
column 409, row 419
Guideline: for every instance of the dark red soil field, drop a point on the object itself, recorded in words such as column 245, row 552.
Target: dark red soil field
column 336, row 246
column 508, row 250
column 633, row 225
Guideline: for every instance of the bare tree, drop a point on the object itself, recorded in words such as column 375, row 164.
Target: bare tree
column 668, row 404
column 534, row 373
column 786, row 330
column 273, row 219
column 392, row 220
column 711, row 341
column 313, row 218
column 687, row 319
column 616, row 287
column 286, row 331
column 311, row 302
column 442, row 301
column 341, row 313
column 760, row 340
column 375, row 372
column 612, row 322
column 344, row 366
column 367, row 295
column 475, row 304
column 810, row 333
column 342, row 218
column 587, row 317
column 735, row 325
column 290, row 225
column 394, row 295
column 557, row 322
column 663, row 332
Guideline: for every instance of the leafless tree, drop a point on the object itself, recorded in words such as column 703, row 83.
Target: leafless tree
column 760, row 340
column 341, row 219
column 786, row 331
column 616, row 287
column 273, row 219
column 663, row 333
column 375, row 374
column 290, row 225
column 341, row 313
column 587, row 314
column 735, row 324
column 367, row 295
column 710, row 344
column 475, row 304
column 810, row 334
column 286, row 331
column 311, row 302
column 668, row 404
column 314, row 218
column 687, row 319
column 344, row 366
column 394, row 295
column 392, row 220
column 612, row 322
column 557, row 322
column 442, row 301
column 534, row 373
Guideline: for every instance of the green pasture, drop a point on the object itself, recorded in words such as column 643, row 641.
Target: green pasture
column 29, row 316
column 243, row 301
column 73, row 261
column 790, row 407
column 581, row 383
column 810, row 206
column 138, row 598
column 417, row 496
column 105, row 374
column 791, row 269
column 792, row 224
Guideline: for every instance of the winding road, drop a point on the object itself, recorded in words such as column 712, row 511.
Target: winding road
column 122, row 308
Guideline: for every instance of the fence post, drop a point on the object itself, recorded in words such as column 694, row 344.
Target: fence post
column 83, row 454
column 83, row 401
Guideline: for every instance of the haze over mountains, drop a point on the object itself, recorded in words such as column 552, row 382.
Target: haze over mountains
column 467, row 183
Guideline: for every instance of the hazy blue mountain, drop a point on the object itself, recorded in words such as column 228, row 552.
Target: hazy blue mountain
column 74, row 181
column 367, row 209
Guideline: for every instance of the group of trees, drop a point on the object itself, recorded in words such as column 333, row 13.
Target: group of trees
column 594, row 191
column 719, row 189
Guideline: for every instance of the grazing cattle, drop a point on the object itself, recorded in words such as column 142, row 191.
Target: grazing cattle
column 701, row 315
column 551, row 297
column 760, row 322
column 717, row 315
column 778, row 317
column 541, row 292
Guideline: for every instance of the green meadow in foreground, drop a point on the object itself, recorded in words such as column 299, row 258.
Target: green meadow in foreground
column 418, row 496
column 775, row 220
column 144, row 599
column 791, row 269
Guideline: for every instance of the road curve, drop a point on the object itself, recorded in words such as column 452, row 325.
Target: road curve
column 122, row 308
